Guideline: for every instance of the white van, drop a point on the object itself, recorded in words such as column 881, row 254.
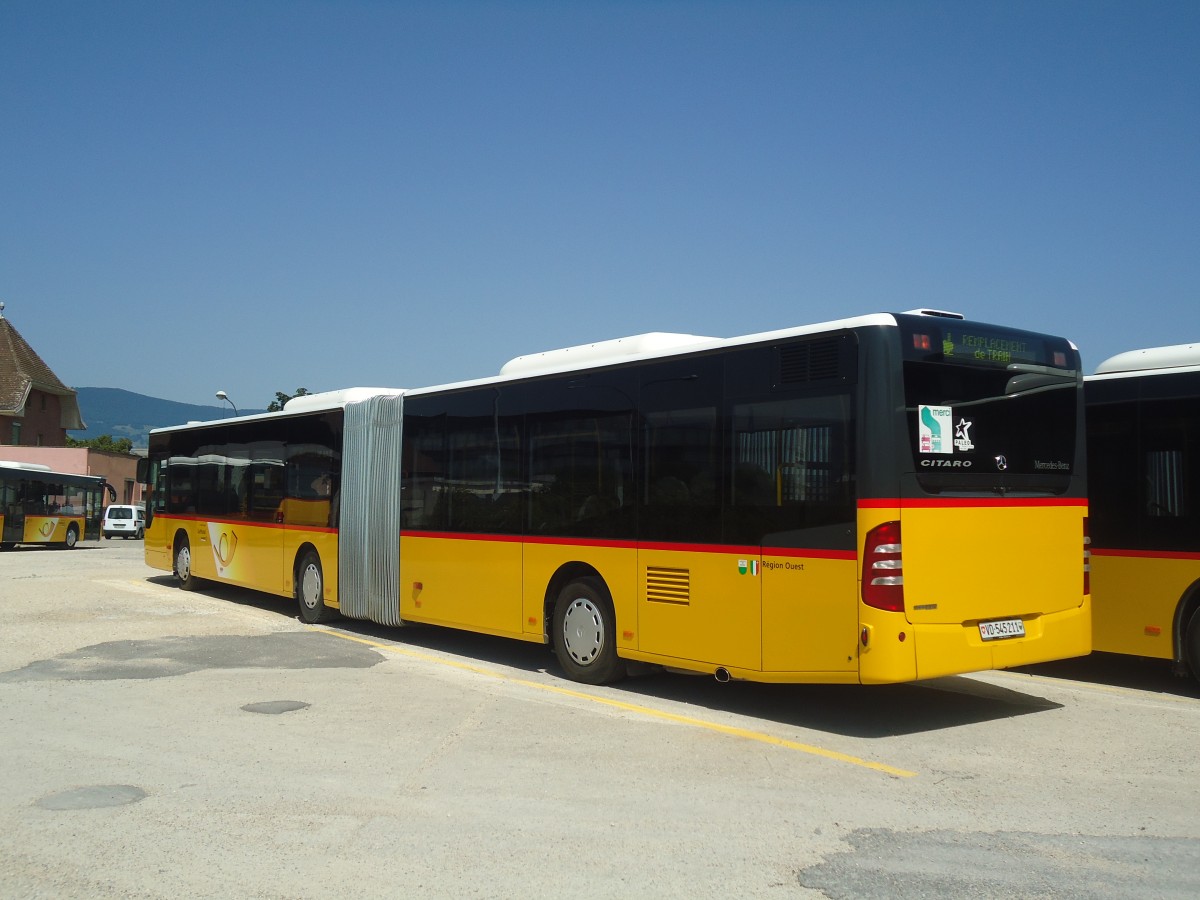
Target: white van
column 124, row 521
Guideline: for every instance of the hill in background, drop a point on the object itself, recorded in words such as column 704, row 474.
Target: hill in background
column 124, row 414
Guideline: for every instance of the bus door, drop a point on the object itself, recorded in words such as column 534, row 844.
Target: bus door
column 153, row 473
column 8, row 509
column 793, row 491
column 240, row 540
column 463, row 513
column 259, row 488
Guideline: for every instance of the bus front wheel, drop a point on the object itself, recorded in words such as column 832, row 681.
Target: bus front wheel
column 585, row 632
column 183, row 566
column 310, row 590
column 72, row 537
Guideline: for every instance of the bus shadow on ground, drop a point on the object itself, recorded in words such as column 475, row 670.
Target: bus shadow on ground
column 230, row 593
column 861, row 711
column 1115, row 670
column 851, row 710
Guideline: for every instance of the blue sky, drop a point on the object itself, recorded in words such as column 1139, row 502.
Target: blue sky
column 257, row 196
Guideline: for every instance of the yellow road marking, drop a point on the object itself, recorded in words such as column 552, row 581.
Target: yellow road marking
column 638, row 709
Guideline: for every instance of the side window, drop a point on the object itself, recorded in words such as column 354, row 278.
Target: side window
column 681, row 451
column 310, row 483
column 313, row 468
column 1166, row 487
column 180, row 473
column 1170, row 456
column 472, row 468
column 237, row 460
column 580, row 470
column 485, row 493
column 265, row 480
column 1112, row 480
column 158, row 480
column 424, row 465
column 462, row 466
column 210, row 475
column 792, row 478
column 579, row 453
column 198, row 475
column 56, row 498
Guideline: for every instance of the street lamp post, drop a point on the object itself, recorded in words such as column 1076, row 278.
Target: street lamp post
column 221, row 395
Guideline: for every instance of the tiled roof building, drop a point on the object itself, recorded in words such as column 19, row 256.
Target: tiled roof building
column 36, row 408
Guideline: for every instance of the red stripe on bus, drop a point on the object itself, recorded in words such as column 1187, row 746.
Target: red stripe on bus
column 467, row 536
column 1146, row 554
column 176, row 517
column 965, row 502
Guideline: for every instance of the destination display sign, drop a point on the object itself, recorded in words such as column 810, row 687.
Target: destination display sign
column 971, row 344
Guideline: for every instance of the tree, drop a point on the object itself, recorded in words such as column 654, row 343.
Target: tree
column 104, row 442
column 281, row 398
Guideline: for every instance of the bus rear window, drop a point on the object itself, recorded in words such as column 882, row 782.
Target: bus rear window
column 990, row 409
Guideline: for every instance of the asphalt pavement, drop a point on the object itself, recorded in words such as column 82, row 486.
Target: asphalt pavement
column 158, row 743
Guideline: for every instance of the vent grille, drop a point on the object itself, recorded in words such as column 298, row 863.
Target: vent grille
column 669, row 585
column 810, row 361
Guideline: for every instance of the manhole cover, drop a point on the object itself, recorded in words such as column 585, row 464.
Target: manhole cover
column 275, row 707
column 96, row 796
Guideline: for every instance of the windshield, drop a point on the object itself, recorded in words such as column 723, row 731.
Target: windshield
column 990, row 409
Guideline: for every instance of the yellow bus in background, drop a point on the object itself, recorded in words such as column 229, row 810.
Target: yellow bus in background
column 877, row 499
column 1143, row 425
column 41, row 506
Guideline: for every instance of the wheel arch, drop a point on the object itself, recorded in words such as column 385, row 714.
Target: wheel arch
column 1188, row 606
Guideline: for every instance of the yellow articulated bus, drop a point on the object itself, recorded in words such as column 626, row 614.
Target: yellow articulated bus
column 41, row 506
column 1143, row 436
column 878, row 499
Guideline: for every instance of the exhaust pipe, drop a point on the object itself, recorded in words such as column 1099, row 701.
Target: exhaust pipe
column 722, row 675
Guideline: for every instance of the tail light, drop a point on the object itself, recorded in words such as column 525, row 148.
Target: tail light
column 1087, row 557
column 883, row 572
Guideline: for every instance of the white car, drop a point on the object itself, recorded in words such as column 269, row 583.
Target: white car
column 124, row 521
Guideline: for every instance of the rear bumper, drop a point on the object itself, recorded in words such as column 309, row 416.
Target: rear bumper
column 956, row 649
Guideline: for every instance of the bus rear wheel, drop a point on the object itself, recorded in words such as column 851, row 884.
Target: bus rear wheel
column 585, row 633
column 310, row 590
column 183, row 566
